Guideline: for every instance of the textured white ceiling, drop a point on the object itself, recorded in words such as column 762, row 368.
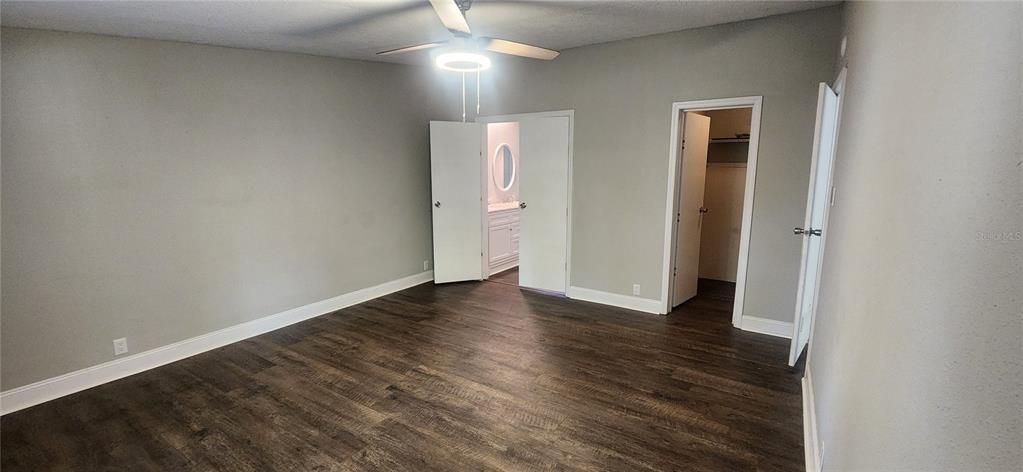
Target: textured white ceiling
column 358, row 29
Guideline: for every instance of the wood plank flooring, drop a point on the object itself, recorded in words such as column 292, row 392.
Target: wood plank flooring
column 510, row 277
column 473, row 376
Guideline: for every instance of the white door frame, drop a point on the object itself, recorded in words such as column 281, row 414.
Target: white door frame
column 677, row 122
column 570, row 114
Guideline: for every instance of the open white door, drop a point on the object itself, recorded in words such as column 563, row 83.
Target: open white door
column 543, row 193
column 689, row 207
column 816, row 215
column 455, row 170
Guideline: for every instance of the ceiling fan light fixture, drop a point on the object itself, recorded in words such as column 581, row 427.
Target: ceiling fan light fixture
column 463, row 61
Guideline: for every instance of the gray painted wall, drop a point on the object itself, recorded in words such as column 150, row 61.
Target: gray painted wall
column 158, row 190
column 917, row 348
column 622, row 94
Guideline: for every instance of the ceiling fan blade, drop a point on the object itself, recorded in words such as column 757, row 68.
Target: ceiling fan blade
column 451, row 16
column 418, row 47
column 513, row 48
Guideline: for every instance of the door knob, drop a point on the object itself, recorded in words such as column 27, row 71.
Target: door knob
column 437, row 204
column 798, row 230
column 522, row 204
column 808, row 232
column 703, row 210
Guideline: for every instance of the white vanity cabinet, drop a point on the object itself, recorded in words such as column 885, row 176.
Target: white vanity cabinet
column 504, row 239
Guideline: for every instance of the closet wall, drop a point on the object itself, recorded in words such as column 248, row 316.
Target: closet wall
column 723, row 193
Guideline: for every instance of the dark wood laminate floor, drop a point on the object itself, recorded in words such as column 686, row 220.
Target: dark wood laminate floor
column 474, row 376
column 510, row 277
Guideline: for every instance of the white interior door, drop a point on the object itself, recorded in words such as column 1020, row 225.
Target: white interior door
column 455, row 170
column 688, row 215
column 543, row 193
column 816, row 216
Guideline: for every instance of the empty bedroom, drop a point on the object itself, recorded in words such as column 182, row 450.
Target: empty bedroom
column 451, row 235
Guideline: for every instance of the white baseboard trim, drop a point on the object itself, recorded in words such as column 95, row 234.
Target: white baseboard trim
column 622, row 301
column 504, row 265
column 56, row 387
column 810, row 449
column 782, row 329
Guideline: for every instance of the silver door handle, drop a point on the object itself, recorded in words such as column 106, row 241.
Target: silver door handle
column 437, row 204
column 522, row 205
column 808, row 232
column 797, row 230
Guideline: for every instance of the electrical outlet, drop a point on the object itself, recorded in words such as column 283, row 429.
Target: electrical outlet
column 635, row 289
column 426, row 265
column 120, row 346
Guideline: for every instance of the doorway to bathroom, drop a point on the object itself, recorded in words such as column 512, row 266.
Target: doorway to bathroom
column 501, row 206
column 527, row 194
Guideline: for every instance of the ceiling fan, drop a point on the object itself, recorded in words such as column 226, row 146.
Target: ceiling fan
column 464, row 56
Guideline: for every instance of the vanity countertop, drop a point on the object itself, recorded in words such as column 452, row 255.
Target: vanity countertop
column 500, row 206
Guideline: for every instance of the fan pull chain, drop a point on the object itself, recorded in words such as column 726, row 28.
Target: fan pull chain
column 463, row 97
column 477, row 93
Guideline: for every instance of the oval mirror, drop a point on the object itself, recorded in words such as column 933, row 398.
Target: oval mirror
column 504, row 167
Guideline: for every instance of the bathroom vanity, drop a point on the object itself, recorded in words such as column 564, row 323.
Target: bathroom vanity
column 504, row 236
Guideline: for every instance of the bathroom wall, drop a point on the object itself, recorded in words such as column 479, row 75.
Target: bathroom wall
column 498, row 134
